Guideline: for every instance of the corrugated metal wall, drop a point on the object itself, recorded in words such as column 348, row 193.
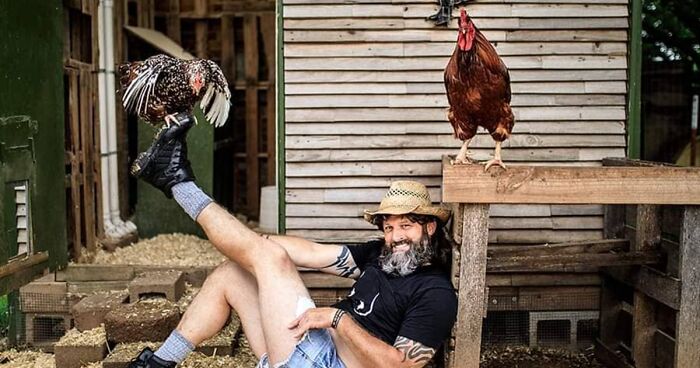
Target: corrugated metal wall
column 365, row 104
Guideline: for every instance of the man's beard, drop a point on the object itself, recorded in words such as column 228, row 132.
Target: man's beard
column 420, row 253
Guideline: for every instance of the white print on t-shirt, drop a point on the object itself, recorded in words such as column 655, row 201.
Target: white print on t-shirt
column 361, row 306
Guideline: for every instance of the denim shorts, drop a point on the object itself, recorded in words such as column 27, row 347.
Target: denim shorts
column 315, row 350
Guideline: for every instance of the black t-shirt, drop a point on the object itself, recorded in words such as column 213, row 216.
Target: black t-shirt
column 421, row 306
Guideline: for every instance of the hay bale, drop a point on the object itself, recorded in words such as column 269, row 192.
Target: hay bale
column 224, row 342
column 187, row 297
column 164, row 250
column 244, row 356
column 76, row 349
column 146, row 320
column 26, row 359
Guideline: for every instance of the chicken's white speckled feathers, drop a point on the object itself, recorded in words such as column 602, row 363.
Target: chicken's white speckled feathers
column 216, row 110
column 161, row 86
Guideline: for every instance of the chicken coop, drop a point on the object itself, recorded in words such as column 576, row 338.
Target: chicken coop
column 331, row 101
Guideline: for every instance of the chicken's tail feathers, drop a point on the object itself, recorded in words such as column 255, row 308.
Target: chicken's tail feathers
column 136, row 95
column 127, row 73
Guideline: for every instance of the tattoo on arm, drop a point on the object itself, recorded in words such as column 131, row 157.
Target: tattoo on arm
column 344, row 265
column 414, row 351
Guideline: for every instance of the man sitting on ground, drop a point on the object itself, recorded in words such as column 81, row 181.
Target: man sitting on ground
column 398, row 313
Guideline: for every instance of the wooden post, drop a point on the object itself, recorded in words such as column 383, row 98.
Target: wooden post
column 201, row 28
column 74, row 121
column 472, row 280
column 648, row 237
column 173, row 21
column 688, row 320
column 267, row 28
column 228, row 49
column 250, row 43
column 86, row 122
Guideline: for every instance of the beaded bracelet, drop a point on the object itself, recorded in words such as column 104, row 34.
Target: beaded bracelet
column 336, row 318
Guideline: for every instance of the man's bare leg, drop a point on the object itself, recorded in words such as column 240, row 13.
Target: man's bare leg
column 281, row 290
column 229, row 286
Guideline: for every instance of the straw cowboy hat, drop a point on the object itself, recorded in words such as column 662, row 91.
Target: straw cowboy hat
column 406, row 197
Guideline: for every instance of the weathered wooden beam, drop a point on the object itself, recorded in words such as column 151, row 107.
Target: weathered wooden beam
column 267, row 28
column 228, row 49
column 589, row 246
column 609, row 357
column 664, row 348
column 472, row 280
column 569, row 262
column 17, row 265
column 544, row 298
column 201, row 29
column 570, row 185
column 251, row 56
column 172, row 21
column 87, row 146
column 542, row 279
column 662, row 288
column 74, row 123
column 96, row 272
column 688, row 321
column 648, row 237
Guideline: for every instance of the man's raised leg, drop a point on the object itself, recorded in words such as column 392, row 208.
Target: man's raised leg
column 282, row 294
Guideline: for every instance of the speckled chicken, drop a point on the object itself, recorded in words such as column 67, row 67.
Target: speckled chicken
column 161, row 86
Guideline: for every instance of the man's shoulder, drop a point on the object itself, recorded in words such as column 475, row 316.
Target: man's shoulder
column 434, row 278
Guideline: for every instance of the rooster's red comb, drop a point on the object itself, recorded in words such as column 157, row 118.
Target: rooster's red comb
column 463, row 14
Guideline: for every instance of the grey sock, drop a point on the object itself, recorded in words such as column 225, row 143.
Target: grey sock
column 191, row 198
column 175, row 348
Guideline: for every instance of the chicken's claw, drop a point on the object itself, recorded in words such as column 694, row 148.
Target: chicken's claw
column 494, row 162
column 171, row 119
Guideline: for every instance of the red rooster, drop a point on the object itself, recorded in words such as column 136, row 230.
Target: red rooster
column 159, row 87
column 478, row 91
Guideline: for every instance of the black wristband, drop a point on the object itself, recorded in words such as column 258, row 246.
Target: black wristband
column 336, row 318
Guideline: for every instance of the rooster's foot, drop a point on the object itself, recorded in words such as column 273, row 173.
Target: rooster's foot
column 171, row 119
column 494, row 162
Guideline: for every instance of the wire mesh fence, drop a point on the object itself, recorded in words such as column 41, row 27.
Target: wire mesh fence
column 535, row 321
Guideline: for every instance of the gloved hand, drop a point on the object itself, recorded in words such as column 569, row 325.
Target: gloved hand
column 165, row 162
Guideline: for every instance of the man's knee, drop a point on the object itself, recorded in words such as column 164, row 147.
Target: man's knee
column 274, row 255
column 223, row 273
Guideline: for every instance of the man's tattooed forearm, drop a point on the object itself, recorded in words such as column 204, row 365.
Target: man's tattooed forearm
column 342, row 264
column 413, row 350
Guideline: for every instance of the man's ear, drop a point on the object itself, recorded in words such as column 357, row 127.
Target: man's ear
column 432, row 226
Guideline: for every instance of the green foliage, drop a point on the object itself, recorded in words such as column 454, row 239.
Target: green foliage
column 671, row 31
column 4, row 315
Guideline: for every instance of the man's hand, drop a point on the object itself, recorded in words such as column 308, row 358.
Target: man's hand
column 314, row 318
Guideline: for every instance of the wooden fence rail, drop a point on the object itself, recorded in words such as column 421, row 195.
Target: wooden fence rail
column 636, row 262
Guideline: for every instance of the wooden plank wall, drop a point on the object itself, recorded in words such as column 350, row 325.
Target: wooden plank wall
column 82, row 134
column 365, row 104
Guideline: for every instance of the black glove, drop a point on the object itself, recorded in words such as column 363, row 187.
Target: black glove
column 165, row 162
